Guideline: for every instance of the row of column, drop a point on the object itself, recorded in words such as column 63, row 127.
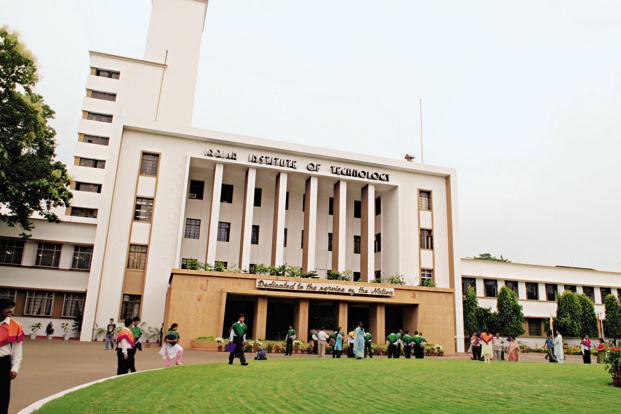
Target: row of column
column 339, row 227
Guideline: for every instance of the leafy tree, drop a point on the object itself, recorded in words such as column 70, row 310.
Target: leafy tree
column 568, row 311
column 470, row 307
column 489, row 256
column 486, row 320
column 588, row 319
column 612, row 324
column 30, row 180
column 510, row 319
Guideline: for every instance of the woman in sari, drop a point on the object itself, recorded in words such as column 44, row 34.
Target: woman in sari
column 338, row 343
column 514, row 349
column 359, row 341
column 585, row 349
column 559, row 354
column 486, row 346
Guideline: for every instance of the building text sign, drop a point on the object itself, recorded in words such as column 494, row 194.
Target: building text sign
column 310, row 287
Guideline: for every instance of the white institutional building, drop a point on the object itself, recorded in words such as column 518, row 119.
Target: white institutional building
column 150, row 191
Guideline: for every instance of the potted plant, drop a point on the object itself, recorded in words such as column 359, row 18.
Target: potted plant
column 270, row 347
column 49, row 331
column 613, row 365
column 99, row 332
column 34, row 328
column 220, row 341
column 296, row 346
column 66, row 326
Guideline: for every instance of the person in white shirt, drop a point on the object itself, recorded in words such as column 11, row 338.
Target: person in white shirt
column 322, row 337
column 125, row 343
column 11, row 337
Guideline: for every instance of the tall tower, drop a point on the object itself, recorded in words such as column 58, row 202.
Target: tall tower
column 174, row 38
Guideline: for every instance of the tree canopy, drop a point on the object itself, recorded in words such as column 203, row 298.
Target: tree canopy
column 31, row 181
column 471, row 304
column 612, row 324
column 568, row 314
column 588, row 319
column 489, row 256
column 510, row 319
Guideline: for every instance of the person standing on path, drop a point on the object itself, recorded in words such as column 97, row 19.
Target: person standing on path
column 497, row 343
column 171, row 351
column 109, row 338
column 368, row 350
column 514, row 349
column 407, row 344
column 359, row 341
column 11, row 337
column 475, row 346
column 585, row 349
column 137, row 333
column 338, row 343
column 549, row 345
column 315, row 340
column 322, row 338
column 486, row 346
column 125, row 349
column 391, row 342
column 289, row 341
column 559, row 354
column 237, row 336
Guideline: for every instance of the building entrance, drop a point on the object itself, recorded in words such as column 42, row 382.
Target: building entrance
column 236, row 305
column 394, row 318
column 322, row 314
column 280, row 313
column 357, row 312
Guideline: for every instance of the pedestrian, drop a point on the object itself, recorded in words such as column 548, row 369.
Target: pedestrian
column 350, row 344
column 125, row 349
column 109, row 338
column 391, row 342
column 585, row 349
column 559, row 354
column 171, row 351
column 399, row 343
column 549, row 345
column 514, row 349
column 160, row 341
column 315, row 340
column 419, row 345
column 11, row 337
column 359, row 341
column 407, row 344
column 49, row 331
column 368, row 349
column 497, row 344
column 486, row 346
column 322, row 339
column 475, row 346
column 337, row 346
column 289, row 340
column 237, row 336
column 137, row 333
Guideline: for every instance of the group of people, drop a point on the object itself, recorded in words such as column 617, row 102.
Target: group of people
column 486, row 347
column 395, row 341
column 358, row 342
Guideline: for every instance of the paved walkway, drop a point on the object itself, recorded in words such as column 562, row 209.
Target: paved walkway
column 52, row 366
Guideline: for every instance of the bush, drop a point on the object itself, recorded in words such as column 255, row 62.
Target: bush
column 568, row 312
column 428, row 283
column 509, row 319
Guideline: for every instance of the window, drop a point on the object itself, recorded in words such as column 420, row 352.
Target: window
column 285, row 238
column 48, row 254
column 11, row 251
column 224, row 230
column 94, row 139
column 426, row 239
column 192, row 228
column 105, row 73
column 287, row 201
column 551, row 291
column 513, row 285
column 357, row 208
column 254, row 237
column 424, row 200
column 302, row 241
column 258, row 193
column 329, row 242
column 106, row 96
column 532, row 291
column 226, row 195
column 73, row 305
column 378, row 206
column 534, row 327
column 88, row 187
column 82, row 256
column 491, row 288
column 10, row 294
column 605, row 292
column 83, row 212
column 356, row 244
column 92, row 116
column 137, row 258
column 303, row 201
column 378, row 274
column 144, row 209
column 149, row 164
column 377, row 245
column 426, row 274
column 589, row 292
column 197, row 189
column 331, row 206
column 91, row 163
column 130, row 307
column 466, row 282
column 356, row 276
column 38, row 303
column 571, row 288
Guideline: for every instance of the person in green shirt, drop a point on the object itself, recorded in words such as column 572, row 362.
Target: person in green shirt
column 391, row 341
column 137, row 332
column 368, row 337
column 289, row 341
column 419, row 345
column 238, row 337
column 407, row 344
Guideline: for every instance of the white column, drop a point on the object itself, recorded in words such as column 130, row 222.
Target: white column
column 247, row 214
column 214, row 214
column 339, row 227
column 278, row 232
column 310, row 225
column 367, row 236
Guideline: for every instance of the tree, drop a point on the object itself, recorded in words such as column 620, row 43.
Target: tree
column 510, row 319
column 486, row 320
column 568, row 311
column 489, row 256
column 588, row 319
column 471, row 305
column 30, row 180
column 612, row 324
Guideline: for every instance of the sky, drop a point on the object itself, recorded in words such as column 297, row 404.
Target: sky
column 522, row 98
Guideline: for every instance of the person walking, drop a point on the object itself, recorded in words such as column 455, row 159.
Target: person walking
column 549, row 345
column 289, row 341
column 585, row 349
column 486, row 346
column 497, row 344
column 407, row 344
column 350, row 344
column 359, row 341
column 137, row 333
column 419, row 345
column 368, row 349
column 11, row 338
column 559, row 354
column 171, row 351
column 315, row 340
column 338, row 343
column 125, row 349
column 109, row 338
column 475, row 346
column 322, row 339
column 237, row 336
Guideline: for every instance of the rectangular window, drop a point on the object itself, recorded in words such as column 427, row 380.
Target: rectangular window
column 105, row 73
column 378, row 274
column 285, row 238
column 302, row 240
column 226, row 194
column 513, row 285
column 377, row 245
column 551, row 291
column 149, row 164
column 589, row 292
column 224, row 230
column 532, row 291
column 424, row 200
column 137, row 257
column 287, row 201
column 88, row 187
column 82, row 256
column 356, row 244
column 534, row 327
column 73, row 305
column 254, row 237
column 491, row 288
column 378, row 206
column 192, row 228
column 329, row 242
column 303, row 201
column 48, row 254
column 605, row 292
column 92, row 116
column 10, row 294
column 426, row 274
column 258, row 193
column 38, row 303
column 94, row 139
column 197, row 190
column 106, row 96
column 331, row 206
column 144, row 209
column 356, row 276
column 91, row 163
column 83, row 212
column 466, row 282
column 11, row 251
column 426, row 239
column 130, row 307
column 571, row 288
column 357, row 209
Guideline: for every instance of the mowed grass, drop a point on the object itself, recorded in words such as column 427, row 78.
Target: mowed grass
column 379, row 385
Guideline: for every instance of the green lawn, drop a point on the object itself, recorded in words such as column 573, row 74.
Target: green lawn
column 345, row 385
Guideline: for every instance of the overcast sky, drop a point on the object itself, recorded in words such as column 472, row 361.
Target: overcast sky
column 523, row 98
